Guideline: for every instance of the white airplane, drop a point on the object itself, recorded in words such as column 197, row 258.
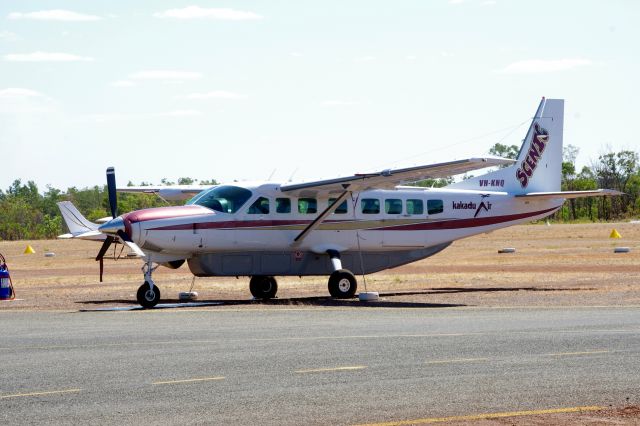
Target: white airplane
column 337, row 227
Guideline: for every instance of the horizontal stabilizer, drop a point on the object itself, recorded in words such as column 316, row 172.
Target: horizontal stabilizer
column 79, row 226
column 571, row 194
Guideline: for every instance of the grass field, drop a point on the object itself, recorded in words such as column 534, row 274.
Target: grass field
column 553, row 265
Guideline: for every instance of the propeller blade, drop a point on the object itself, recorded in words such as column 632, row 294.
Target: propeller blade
column 111, row 189
column 105, row 247
column 101, row 253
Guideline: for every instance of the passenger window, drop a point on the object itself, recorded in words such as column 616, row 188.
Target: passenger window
column 415, row 207
column 307, row 205
column 393, row 206
column 341, row 209
column 260, row 206
column 283, row 205
column 370, row 206
column 435, row 206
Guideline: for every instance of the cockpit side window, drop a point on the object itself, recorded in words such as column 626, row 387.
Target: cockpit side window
column 260, row 206
column 224, row 198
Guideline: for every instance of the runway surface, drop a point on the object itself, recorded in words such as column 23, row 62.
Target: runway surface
column 313, row 366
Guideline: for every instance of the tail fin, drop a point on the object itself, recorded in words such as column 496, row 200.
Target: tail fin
column 539, row 164
column 79, row 226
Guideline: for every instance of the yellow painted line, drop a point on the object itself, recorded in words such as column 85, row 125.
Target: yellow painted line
column 579, row 353
column 202, row 379
column 18, row 395
column 486, row 416
column 458, row 360
column 322, row 370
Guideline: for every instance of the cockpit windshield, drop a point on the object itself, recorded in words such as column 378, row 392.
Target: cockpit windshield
column 225, row 198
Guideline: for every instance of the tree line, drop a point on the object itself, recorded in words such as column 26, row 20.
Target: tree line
column 26, row 213
column 613, row 170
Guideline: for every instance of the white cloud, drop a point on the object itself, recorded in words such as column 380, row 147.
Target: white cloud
column 365, row 59
column 123, row 83
column 489, row 3
column 197, row 12
column 103, row 118
column 338, row 103
column 46, row 57
column 54, row 15
column 295, row 54
column 17, row 100
column 165, row 75
column 179, row 113
column 541, row 66
column 411, row 57
column 17, row 92
column 8, row 36
column 216, row 94
column 456, row 1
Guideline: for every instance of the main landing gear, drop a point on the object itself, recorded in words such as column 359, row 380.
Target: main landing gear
column 148, row 294
column 263, row 287
column 342, row 283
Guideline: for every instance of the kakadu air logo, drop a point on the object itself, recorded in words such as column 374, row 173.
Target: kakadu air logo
column 470, row 205
column 537, row 146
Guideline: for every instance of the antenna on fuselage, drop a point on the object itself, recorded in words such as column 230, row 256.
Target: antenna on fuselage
column 271, row 175
column 293, row 174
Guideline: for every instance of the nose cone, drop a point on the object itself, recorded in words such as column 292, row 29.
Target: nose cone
column 112, row 227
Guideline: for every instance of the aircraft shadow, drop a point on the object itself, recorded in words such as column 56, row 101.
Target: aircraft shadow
column 297, row 301
column 330, row 302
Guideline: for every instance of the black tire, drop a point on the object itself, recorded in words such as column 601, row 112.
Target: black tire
column 262, row 287
column 147, row 298
column 342, row 284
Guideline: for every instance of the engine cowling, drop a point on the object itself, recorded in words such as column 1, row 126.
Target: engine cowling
column 174, row 264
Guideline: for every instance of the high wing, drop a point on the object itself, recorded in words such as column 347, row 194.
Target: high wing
column 571, row 194
column 390, row 178
column 170, row 193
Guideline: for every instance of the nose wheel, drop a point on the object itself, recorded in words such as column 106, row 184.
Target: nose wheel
column 148, row 296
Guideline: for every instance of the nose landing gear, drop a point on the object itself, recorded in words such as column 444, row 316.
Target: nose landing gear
column 148, row 294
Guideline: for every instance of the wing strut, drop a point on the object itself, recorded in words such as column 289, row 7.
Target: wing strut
column 317, row 221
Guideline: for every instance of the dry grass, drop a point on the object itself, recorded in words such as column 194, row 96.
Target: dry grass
column 553, row 265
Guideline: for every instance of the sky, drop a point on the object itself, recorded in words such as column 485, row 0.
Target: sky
column 301, row 90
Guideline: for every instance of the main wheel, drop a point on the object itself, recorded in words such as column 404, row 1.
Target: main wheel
column 148, row 298
column 342, row 284
column 263, row 287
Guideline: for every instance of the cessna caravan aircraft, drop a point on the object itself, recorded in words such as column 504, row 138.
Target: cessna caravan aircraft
column 337, row 227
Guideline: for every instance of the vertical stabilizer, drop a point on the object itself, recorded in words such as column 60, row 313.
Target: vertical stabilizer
column 539, row 164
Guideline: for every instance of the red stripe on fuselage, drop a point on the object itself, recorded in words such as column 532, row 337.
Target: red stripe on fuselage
column 464, row 223
column 429, row 225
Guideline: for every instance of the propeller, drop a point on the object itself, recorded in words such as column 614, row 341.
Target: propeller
column 115, row 227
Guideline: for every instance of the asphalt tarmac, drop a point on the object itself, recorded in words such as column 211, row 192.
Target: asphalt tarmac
column 313, row 366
